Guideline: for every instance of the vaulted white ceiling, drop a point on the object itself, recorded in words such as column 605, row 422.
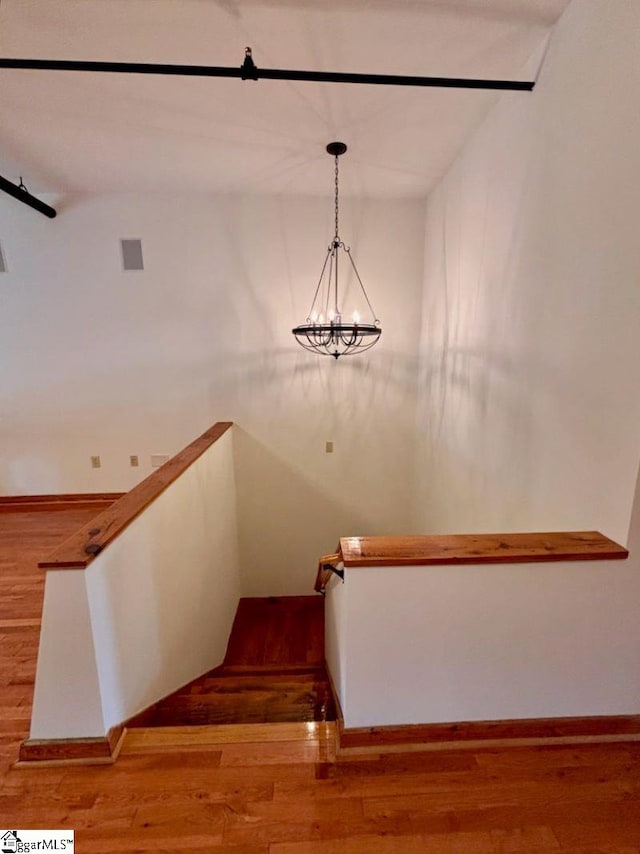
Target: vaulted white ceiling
column 69, row 131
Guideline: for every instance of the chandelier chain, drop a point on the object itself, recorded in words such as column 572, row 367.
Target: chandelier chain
column 336, row 208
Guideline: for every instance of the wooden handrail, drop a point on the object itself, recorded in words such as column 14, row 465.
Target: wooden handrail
column 326, row 568
column 479, row 548
column 80, row 549
column 61, row 498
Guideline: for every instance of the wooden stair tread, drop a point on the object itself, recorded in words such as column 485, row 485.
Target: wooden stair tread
column 220, row 692
column 271, row 669
column 254, row 689
column 254, row 686
column 144, row 739
column 233, row 704
column 273, row 672
column 221, row 716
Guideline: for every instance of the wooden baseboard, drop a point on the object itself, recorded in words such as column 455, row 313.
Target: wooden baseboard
column 66, row 501
column 71, row 751
column 477, row 734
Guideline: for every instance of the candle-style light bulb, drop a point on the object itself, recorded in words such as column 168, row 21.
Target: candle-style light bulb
column 356, row 317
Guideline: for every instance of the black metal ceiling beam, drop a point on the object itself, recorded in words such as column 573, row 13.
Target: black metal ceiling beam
column 22, row 195
column 251, row 72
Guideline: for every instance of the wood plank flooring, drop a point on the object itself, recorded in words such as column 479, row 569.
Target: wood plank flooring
column 278, row 788
column 273, row 671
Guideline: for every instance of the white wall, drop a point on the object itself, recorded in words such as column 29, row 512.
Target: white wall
column 634, row 528
column 66, row 700
column 487, row 642
column 529, row 412
column 153, row 611
column 336, row 642
column 98, row 361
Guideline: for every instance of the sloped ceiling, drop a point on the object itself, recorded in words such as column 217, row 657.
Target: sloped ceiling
column 67, row 131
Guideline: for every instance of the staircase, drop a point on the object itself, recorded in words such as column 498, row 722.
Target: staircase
column 273, row 671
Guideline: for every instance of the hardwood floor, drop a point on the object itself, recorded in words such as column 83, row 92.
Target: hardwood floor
column 273, row 672
column 278, row 788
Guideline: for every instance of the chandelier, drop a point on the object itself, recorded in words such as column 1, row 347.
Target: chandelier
column 326, row 330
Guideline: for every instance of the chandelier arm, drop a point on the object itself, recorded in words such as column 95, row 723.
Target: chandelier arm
column 332, row 253
column 316, row 339
column 336, row 310
column 315, row 296
column 355, row 270
column 349, row 339
column 359, row 348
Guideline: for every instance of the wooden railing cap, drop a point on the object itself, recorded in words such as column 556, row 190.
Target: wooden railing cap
column 479, row 548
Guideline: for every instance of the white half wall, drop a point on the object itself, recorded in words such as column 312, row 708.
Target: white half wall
column 98, row 361
column 486, row 642
column 336, row 642
column 529, row 411
column 66, row 700
column 153, row 611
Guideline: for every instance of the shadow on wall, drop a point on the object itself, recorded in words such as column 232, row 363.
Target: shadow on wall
column 480, row 427
column 285, row 521
column 289, row 373
column 293, row 402
column 473, row 411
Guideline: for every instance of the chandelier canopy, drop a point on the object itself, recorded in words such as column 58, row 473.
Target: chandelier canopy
column 326, row 330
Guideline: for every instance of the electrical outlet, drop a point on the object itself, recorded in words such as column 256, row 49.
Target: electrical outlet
column 328, row 448
column 133, row 460
column 158, row 460
column 95, row 462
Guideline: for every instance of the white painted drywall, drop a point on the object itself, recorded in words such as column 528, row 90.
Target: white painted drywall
column 489, row 642
column 336, row 644
column 634, row 528
column 66, row 700
column 151, row 612
column 100, row 361
column 163, row 595
column 529, row 412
